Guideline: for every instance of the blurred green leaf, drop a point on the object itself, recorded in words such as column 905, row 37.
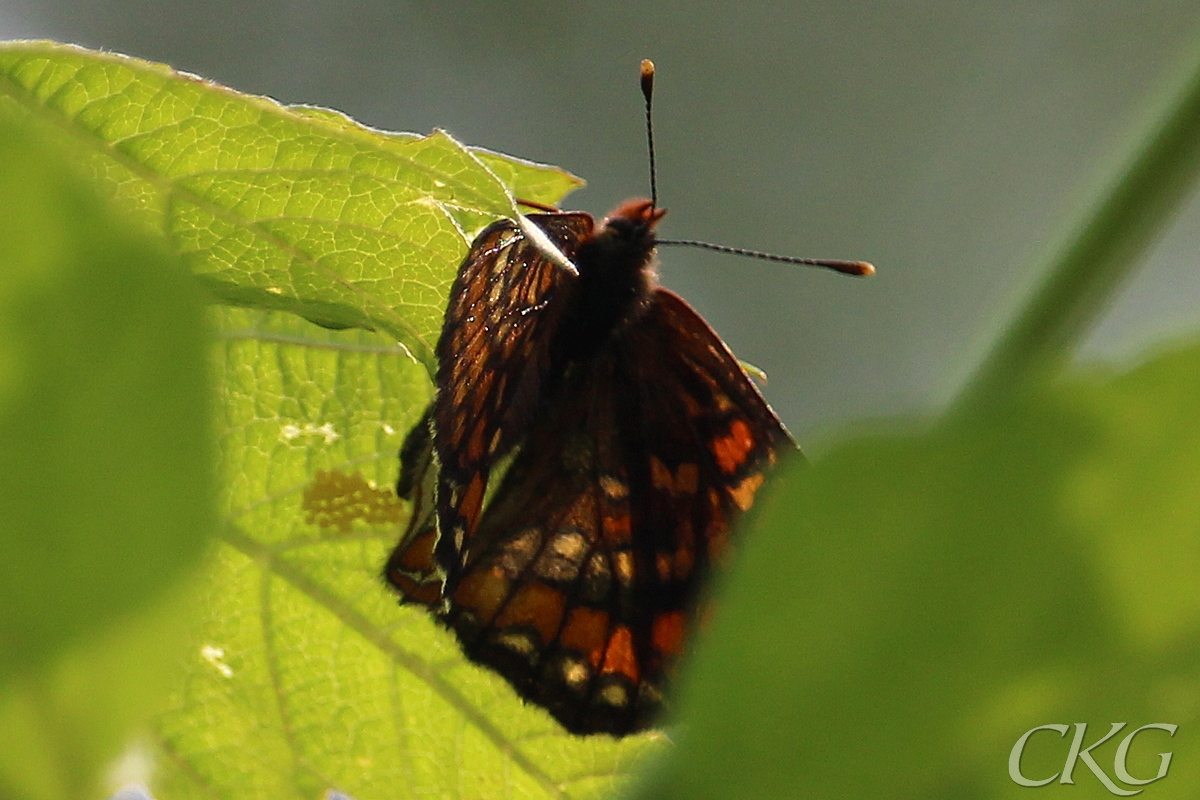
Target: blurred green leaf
column 308, row 675
column 907, row 607
column 295, row 209
column 61, row 726
column 106, row 485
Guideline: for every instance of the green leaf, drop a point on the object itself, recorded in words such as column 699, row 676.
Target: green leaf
column 910, row 605
column 295, row 209
column 62, row 724
column 107, row 480
column 308, row 676
column 527, row 180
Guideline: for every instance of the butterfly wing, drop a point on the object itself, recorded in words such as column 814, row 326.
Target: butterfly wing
column 411, row 568
column 503, row 306
column 495, row 359
column 581, row 579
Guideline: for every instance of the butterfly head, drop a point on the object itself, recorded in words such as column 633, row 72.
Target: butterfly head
column 634, row 220
column 620, row 252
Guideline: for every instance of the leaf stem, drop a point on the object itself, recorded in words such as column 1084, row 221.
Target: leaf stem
column 1104, row 248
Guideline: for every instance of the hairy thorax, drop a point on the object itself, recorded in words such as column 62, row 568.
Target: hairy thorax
column 616, row 281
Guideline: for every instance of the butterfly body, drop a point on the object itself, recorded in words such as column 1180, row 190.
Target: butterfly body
column 589, row 447
column 616, row 277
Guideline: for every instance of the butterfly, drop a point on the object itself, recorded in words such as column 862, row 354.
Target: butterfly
column 580, row 472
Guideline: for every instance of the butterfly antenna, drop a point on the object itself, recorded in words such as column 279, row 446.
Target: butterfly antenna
column 648, row 93
column 847, row 267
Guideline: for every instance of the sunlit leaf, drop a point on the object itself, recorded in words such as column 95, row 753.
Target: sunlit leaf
column 296, row 209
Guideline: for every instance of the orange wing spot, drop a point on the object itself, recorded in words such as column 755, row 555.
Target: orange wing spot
column 743, row 493
column 687, row 479
column 617, row 528
column 660, row 476
column 472, row 501
column 482, row 592
column 668, row 633
column 723, row 452
column 535, row 604
column 417, row 556
column 741, row 431
column 585, row 632
column 731, row 450
column 619, row 655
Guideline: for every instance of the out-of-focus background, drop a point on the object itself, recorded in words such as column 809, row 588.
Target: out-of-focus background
column 948, row 141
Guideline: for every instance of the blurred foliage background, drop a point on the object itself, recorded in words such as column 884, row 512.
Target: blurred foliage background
column 905, row 610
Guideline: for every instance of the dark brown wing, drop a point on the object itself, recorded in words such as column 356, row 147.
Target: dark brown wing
column 411, row 568
column 583, row 575
column 506, row 279
column 495, row 357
